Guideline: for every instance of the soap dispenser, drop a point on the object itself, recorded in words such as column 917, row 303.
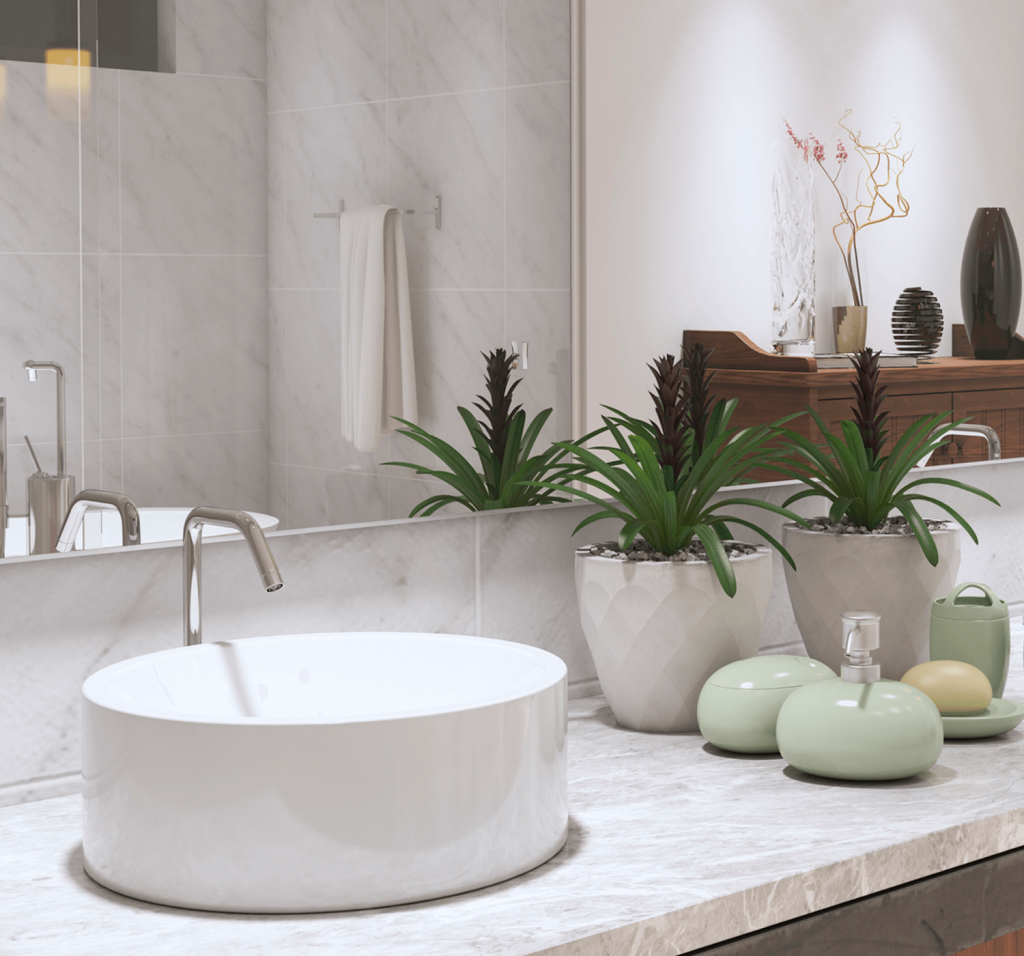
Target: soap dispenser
column 858, row 726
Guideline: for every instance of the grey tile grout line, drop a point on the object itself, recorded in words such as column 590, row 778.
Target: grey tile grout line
column 423, row 96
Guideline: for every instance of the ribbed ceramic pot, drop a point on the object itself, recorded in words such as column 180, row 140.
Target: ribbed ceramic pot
column 878, row 572
column 659, row 629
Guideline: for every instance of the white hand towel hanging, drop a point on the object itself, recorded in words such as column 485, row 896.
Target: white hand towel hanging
column 378, row 376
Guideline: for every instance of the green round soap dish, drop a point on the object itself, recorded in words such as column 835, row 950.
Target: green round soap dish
column 999, row 717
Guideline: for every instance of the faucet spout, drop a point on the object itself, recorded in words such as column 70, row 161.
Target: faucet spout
column 192, row 541
column 131, row 532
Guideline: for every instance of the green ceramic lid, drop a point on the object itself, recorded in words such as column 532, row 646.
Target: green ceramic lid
column 771, row 670
column 971, row 607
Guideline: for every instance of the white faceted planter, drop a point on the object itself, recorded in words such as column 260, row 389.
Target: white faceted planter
column 868, row 572
column 659, row 629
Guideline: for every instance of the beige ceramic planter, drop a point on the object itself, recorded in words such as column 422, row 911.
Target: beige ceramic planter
column 659, row 629
column 868, row 572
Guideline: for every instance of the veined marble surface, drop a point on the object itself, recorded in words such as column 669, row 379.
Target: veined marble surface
column 673, row 846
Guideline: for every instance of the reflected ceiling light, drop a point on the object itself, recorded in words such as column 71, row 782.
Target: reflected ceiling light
column 67, row 75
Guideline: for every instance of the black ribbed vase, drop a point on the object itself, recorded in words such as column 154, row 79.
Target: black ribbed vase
column 917, row 322
column 990, row 283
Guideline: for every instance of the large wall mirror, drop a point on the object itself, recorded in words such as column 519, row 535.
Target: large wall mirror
column 158, row 240
column 684, row 104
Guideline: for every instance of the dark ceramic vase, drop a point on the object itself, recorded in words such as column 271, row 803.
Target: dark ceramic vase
column 990, row 284
column 917, row 322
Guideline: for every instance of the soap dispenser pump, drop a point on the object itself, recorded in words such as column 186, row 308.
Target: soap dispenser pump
column 858, row 726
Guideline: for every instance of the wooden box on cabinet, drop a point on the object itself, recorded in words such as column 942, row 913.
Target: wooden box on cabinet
column 772, row 386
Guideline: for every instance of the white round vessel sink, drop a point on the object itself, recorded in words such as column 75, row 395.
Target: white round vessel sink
column 102, row 529
column 320, row 772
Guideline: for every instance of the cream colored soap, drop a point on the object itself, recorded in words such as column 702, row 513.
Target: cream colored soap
column 958, row 689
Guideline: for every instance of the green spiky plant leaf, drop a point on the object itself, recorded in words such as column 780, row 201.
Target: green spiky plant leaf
column 509, row 471
column 863, row 485
column 661, row 485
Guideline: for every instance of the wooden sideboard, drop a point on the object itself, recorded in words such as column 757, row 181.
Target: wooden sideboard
column 771, row 386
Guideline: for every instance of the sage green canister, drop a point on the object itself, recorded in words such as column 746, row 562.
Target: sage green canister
column 739, row 704
column 974, row 629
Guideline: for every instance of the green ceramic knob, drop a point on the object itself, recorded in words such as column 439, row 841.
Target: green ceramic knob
column 884, row 730
column 974, row 629
column 739, row 703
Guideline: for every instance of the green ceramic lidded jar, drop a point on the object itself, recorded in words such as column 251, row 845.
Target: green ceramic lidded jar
column 739, row 704
column 974, row 629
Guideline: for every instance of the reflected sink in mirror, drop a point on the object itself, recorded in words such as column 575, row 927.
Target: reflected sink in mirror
column 321, row 772
column 102, row 529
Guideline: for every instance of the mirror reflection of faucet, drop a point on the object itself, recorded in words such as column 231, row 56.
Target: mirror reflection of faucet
column 49, row 496
column 131, row 532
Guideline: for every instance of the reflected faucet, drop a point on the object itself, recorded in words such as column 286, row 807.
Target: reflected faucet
column 49, row 496
column 131, row 532
column 192, row 547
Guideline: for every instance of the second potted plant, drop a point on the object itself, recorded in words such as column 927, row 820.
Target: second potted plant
column 861, row 555
column 673, row 599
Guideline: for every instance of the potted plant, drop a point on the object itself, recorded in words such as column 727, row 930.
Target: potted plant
column 861, row 556
column 883, row 200
column 673, row 599
column 503, row 442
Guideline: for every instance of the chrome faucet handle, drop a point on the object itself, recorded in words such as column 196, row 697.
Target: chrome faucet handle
column 192, row 540
column 131, row 530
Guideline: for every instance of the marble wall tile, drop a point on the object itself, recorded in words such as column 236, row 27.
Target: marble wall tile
column 528, row 592
column 107, row 307
column 444, row 46
column 537, row 188
column 313, row 371
column 193, row 164
column 277, row 23
column 277, row 198
column 101, row 226
column 40, row 320
column 450, row 330
column 319, row 497
column 195, row 344
column 278, row 505
column 542, row 319
column 452, row 146
column 277, row 331
column 38, row 169
column 226, row 38
column 405, row 493
column 537, row 41
column 330, row 154
column 225, row 470
column 334, row 52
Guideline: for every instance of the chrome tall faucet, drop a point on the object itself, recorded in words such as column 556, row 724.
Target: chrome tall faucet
column 131, row 532
column 49, row 496
column 192, row 542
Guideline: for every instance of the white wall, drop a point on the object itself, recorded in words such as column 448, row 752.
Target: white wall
column 683, row 102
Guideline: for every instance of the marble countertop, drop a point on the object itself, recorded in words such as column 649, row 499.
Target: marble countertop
column 672, row 846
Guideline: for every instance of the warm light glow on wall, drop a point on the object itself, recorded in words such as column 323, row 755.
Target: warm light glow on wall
column 67, row 75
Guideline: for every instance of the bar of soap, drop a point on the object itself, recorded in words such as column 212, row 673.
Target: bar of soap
column 957, row 689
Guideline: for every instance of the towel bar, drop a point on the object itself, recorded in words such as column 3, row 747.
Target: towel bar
column 435, row 212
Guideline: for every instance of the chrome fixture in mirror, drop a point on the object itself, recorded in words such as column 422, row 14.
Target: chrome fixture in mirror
column 131, row 532
column 49, row 496
column 192, row 542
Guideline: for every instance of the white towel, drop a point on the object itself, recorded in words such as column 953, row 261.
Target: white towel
column 378, row 377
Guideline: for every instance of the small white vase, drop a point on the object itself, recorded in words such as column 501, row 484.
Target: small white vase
column 659, row 629
column 886, row 573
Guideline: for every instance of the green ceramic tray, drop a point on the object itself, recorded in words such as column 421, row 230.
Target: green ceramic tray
column 999, row 717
